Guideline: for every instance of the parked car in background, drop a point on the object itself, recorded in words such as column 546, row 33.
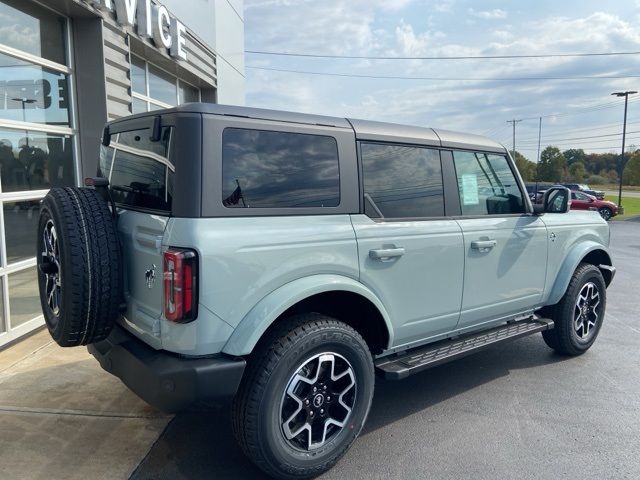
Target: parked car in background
column 582, row 201
column 536, row 190
column 581, row 187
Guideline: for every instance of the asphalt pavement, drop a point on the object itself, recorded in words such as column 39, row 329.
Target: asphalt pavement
column 514, row 411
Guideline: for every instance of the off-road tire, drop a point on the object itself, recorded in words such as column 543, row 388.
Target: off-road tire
column 564, row 338
column 90, row 266
column 257, row 406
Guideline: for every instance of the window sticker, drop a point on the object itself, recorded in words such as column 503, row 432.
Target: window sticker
column 470, row 189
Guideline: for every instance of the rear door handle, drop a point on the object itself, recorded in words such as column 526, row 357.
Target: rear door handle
column 483, row 245
column 386, row 254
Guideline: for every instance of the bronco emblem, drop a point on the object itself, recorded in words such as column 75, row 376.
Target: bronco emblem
column 150, row 275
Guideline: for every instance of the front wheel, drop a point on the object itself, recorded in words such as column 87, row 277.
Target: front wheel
column 606, row 213
column 579, row 314
column 305, row 397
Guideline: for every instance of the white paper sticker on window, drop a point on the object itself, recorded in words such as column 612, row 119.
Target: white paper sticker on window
column 470, row 189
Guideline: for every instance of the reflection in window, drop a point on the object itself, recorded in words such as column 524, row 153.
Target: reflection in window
column 30, row 93
column 32, row 29
column 162, row 86
column 35, row 161
column 401, row 182
column 24, row 301
column 139, row 170
column 187, row 93
column 264, row 169
column 487, row 185
column 20, row 223
column 138, row 76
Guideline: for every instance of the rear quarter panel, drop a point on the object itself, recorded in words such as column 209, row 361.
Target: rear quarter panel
column 242, row 260
column 571, row 236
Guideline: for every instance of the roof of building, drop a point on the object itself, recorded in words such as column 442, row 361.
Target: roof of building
column 364, row 129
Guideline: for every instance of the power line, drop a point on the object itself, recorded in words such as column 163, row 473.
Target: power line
column 451, row 57
column 442, row 79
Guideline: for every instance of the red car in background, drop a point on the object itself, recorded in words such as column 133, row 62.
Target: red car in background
column 582, row 201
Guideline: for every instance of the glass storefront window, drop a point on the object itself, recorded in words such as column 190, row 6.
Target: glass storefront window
column 35, row 160
column 32, row 29
column 162, row 86
column 30, row 93
column 138, row 76
column 154, row 88
column 139, row 106
column 20, row 225
column 24, row 301
column 187, row 93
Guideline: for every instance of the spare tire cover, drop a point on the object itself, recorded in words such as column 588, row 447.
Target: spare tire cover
column 79, row 266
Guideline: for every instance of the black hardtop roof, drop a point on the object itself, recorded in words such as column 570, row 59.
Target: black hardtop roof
column 364, row 129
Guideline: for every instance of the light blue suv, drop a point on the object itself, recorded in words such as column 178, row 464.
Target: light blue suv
column 281, row 260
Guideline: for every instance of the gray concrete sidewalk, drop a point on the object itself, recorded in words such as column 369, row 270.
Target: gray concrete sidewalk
column 63, row 417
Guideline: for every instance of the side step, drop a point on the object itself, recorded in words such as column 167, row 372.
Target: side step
column 402, row 365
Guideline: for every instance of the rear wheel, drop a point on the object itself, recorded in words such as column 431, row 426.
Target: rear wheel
column 305, row 397
column 579, row 314
column 605, row 213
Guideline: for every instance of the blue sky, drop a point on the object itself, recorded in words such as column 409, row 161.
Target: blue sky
column 445, row 28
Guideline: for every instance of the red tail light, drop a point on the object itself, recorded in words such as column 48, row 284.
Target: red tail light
column 180, row 276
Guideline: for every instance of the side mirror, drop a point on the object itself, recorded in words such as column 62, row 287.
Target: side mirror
column 557, row 200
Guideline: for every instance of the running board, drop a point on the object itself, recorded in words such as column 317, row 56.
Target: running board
column 396, row 367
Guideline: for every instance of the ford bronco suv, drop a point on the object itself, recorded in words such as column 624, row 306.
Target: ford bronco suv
column 281, row 260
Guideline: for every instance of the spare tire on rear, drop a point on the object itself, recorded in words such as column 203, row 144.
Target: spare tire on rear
column 79, row 266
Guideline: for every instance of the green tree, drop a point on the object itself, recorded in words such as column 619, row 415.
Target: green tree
column 577, row 172
column 553, row 165
column 574, row 155
column 525, row 166
column 631, row 174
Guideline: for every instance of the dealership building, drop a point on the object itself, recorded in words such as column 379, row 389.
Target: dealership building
column 68, row 66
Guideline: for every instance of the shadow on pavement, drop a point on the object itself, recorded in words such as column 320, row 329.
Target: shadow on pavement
column 198, row 445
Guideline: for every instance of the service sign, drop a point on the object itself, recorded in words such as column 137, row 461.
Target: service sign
column 151, row 20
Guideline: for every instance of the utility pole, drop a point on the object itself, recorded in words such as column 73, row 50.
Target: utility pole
column 513, row 122
column 624, row 134
column 538, row 163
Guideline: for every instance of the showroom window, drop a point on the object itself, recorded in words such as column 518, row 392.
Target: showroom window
column 154, row 88
column 37, row 144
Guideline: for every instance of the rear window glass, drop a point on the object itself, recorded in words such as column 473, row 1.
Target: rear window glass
column 140, row 172
column 268, row 169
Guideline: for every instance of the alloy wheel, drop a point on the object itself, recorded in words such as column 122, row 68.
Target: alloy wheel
column 586, row 312
column 318, row 401
column 50, row 267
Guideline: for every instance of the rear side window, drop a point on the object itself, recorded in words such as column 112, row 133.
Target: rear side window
column 487, row 185
column 140, row 172
column 269, row 169
column 401, row 182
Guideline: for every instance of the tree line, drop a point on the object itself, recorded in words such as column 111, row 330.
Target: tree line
column 574, row 165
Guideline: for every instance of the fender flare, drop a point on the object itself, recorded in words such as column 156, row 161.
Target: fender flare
column 251, row 328
column 571, row 262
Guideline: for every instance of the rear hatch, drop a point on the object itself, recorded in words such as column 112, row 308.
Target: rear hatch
column 141, row 178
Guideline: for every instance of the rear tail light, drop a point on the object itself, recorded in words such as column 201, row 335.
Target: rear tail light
column 180, row 276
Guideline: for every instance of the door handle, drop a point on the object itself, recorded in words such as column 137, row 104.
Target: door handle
column 483, row 245
column 386, row 254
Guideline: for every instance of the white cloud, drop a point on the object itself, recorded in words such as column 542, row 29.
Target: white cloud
column 369, row 28
column 496, row 13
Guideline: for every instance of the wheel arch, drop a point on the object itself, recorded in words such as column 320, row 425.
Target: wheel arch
column 590, row 252
column 340, row 297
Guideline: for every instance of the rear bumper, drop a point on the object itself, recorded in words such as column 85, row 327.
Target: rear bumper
column 165, row 380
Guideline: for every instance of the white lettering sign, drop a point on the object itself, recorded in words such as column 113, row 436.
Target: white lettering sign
column 151, row 21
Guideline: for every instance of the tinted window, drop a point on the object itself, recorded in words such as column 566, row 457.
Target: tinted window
column 487, row 185
column 401, row 182
column 265, row 169
column 139, row 170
